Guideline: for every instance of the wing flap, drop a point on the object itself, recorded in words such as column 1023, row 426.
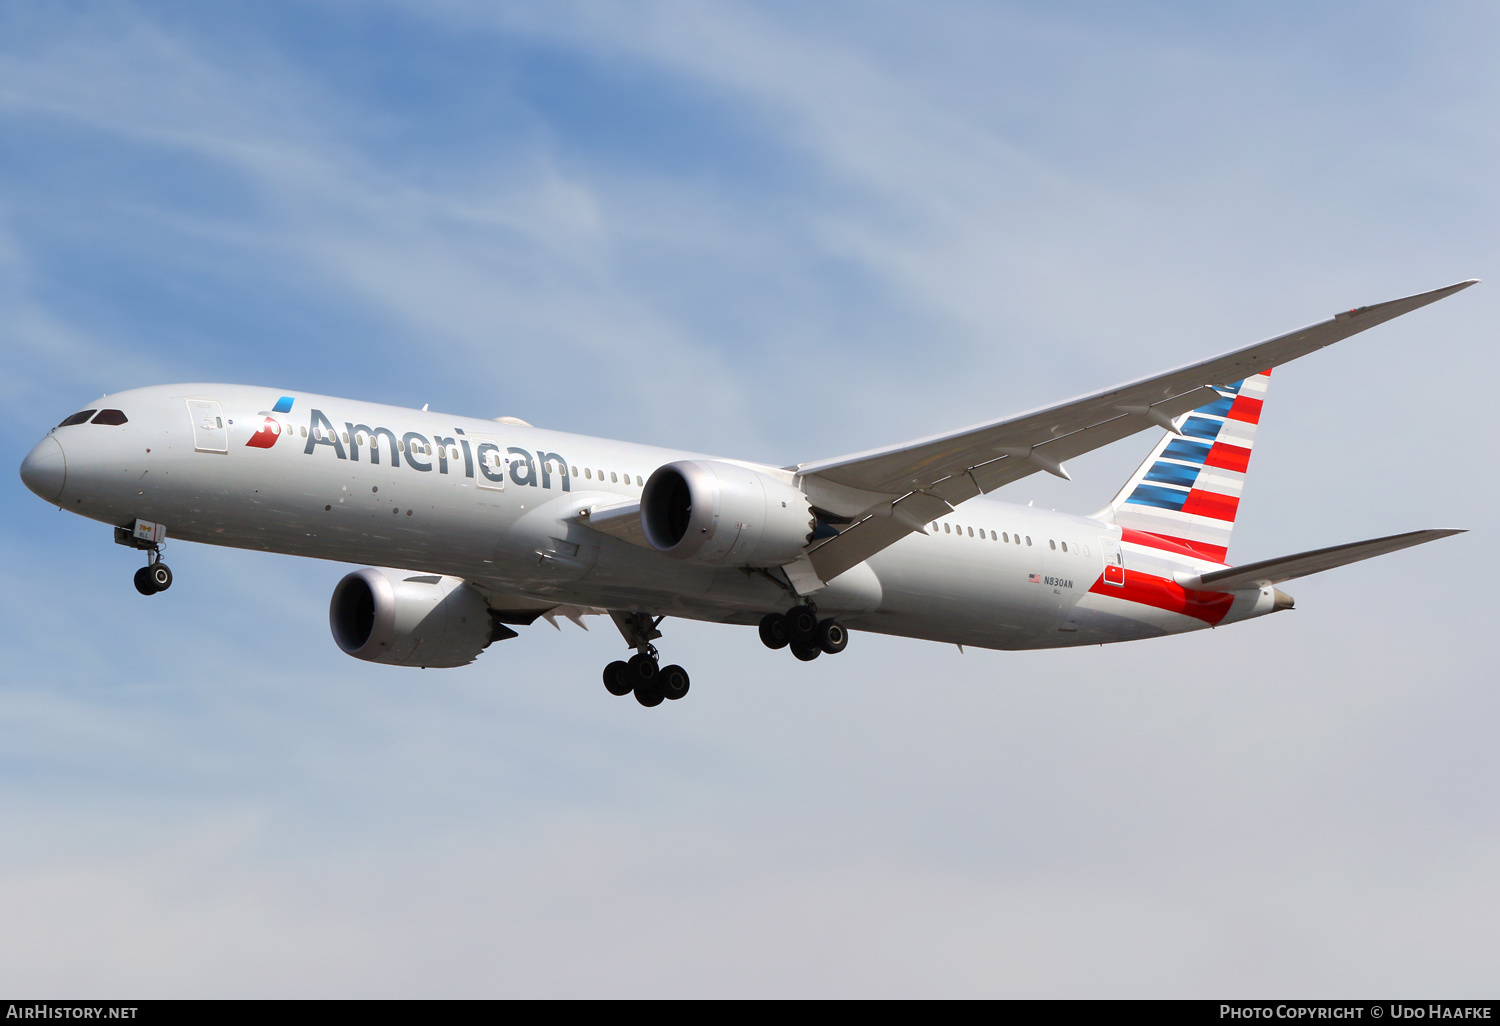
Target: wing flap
column 1274, row 571
column 859, row 542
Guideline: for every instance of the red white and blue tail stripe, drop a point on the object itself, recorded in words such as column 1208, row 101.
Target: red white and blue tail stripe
column 1186, row 494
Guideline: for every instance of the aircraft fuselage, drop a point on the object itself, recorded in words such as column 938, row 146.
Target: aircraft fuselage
column 498, row 504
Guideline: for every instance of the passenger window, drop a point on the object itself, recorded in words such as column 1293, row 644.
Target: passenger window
column 945, row 529
column 971, row 532
column 304, row 431
column 400, row 445
column 1005, row 537
column 81, row 417
column 110, row 417
column 1065, row 546
column 575, row 471
column 1028, row 539
column 638, row 482
column 613, row 478
column 1053, row 544
column 588, row 475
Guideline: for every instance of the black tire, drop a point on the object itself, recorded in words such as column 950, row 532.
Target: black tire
column 643, row 671
column 773, row 631
column 801, row 625
column 161, row 576
column 649, row 697
column 143, row 581
column 673, row 682
column 617, row 679
column 807, row 653
column 832, row 637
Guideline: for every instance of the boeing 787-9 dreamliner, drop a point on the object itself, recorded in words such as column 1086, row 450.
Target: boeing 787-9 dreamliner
column 475, row 527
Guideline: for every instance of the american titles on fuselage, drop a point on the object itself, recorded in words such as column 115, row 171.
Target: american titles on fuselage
column 486, row 457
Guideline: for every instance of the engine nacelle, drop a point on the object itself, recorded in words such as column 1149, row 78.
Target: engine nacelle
column 709, row 511
column 411, row 619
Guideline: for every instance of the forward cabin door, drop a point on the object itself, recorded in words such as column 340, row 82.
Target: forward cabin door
column 210, row 433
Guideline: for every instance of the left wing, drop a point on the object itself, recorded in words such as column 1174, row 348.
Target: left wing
column 891, row 492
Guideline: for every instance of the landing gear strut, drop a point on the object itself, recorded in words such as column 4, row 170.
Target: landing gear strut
column 155, row 576
column 800, row 630
column 642, row 674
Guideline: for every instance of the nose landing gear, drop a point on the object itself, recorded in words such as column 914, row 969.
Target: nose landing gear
column 800, row 630
column 155, row 576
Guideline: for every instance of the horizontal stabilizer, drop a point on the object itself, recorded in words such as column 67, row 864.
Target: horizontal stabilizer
column 1273, row 571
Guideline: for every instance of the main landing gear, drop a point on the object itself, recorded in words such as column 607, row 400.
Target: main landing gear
column 651, row 683
column 800, row 630
column 642, row 674
column 155, row 576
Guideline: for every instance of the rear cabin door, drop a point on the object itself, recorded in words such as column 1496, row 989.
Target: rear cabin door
column 210, row 434
column 1114, row 561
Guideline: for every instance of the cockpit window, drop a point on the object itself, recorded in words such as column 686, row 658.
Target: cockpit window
column 78, row 418
column 110, row 417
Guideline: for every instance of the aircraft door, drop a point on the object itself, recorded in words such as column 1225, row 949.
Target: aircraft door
column 1114, row 561
column 489, row 463
column 210, row 434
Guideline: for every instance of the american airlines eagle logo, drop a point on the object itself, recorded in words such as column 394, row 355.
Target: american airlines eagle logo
column 270, row 428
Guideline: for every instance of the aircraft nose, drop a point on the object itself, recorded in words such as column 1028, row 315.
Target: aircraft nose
column 45, row 469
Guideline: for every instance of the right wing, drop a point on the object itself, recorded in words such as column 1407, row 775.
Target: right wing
column 889, row 493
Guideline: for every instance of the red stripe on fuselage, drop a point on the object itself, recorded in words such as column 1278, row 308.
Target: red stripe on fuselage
column 1180, row 546
column 1160, row 593
column 1228, row 457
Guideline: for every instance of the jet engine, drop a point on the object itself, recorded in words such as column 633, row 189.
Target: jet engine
column 411, row 619
column 711, row 511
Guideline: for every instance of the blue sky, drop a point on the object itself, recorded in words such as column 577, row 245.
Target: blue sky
column 778, row 232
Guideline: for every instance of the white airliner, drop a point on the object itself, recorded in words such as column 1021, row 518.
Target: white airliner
column 477, row 525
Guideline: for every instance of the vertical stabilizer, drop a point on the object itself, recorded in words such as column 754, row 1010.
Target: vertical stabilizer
column 1187, row 492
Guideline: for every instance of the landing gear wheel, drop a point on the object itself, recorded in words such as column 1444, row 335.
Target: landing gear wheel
column 143, row 583
column 832, row 637
column 807, row 653
column 673, row 682
column 801, row 625
column 617, row 679
column 773, row 631
column 645, row 676
column 161, row 576
column 642, row 671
